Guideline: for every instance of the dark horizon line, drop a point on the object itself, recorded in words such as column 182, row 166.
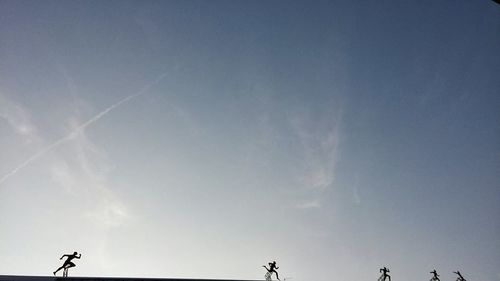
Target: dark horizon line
column 97, row 278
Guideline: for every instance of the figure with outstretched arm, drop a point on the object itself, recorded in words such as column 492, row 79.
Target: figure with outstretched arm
column 68, row 263
column 460, row 277
column 384, row 274
column 435, row 277
column 272, row 269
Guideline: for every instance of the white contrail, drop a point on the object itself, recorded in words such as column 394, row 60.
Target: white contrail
column 80, row 128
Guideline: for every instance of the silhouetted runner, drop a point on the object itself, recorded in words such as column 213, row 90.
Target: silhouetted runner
column 435, row 277
column 67, row 263
column 460, row 277
column 384, row 274
column 272, row 268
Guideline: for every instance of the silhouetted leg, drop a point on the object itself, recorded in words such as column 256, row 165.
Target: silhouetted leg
column 277, row 275
column 58, row 269
column 389, row 277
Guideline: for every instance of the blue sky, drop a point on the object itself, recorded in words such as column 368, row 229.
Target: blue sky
column 206, row 138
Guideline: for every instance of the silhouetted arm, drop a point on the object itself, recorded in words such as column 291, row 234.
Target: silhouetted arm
column 63, row 257
column 78, row 256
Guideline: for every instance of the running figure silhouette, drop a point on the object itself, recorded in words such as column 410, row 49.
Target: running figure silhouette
column 460, row 277
column 435, row 277
column 67, row 263
column 272, row 268
column 384, row 274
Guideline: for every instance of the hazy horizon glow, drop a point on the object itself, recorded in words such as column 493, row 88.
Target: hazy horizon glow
column 202, row 139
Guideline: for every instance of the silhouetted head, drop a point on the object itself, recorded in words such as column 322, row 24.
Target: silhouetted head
column 75, row 253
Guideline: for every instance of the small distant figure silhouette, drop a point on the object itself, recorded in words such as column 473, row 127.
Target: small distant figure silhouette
column 435, row 277
column 272, row 268
column 460, row 277
column 67, row 263
column 384, row 274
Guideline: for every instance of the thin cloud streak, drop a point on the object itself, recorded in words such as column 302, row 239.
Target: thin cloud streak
column 309, row 205
column 80, row 128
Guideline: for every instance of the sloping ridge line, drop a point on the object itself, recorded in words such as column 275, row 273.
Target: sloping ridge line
column 56, row 278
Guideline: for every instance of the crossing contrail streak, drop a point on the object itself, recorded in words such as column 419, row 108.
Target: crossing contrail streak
column 80, row 128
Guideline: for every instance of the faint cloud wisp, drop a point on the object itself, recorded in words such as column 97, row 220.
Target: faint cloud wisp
column 18, row 118
column 319, row 142
column 320, row 151
column 309, row 205
column 79, row 129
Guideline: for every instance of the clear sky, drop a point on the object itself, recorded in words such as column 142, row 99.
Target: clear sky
column 206, row 138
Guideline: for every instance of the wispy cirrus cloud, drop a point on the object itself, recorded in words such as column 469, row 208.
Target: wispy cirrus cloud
column 61, row 174
column 85, row 172
column 320, row 149
column 80, row 128
column 319, row 141
column 18, row 118
column 315, row 204
column 80, row 169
